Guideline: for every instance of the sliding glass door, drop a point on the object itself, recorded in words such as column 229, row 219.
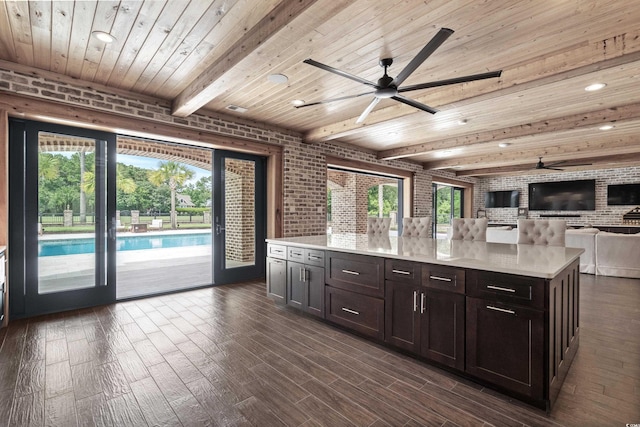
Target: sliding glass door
column 62, row 220
column 447, row 204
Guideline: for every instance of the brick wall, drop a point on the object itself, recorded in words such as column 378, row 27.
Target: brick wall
column 240, row 210
column 304, row 164
column 603, row 215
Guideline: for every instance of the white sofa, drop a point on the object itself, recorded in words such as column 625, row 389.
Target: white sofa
column 618, row 254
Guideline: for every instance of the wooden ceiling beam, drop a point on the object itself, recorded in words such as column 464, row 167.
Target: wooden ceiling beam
column 577, row 151
column 211, row 82
column 589, row 119
column 600, row 162
column 584, row 59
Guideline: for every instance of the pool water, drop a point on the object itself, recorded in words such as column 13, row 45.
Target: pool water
column 123, row 243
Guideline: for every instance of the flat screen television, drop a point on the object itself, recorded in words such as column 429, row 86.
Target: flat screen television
column 502, row 199
column 563, row 195
column 623, row 194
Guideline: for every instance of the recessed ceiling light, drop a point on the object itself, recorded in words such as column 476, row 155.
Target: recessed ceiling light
column 298, row 102
column 462, row 122
column 606, row 127
column 103, row 37
column 594, row 86
column 503, row 144
column 236, row 108
column 278, row 78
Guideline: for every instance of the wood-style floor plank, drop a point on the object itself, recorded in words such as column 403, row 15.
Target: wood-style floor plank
column 229, row 356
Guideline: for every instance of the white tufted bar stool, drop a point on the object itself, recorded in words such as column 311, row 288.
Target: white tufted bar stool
column 541, row 232
column 469, row 229
column 416, row 227
column 378, row 226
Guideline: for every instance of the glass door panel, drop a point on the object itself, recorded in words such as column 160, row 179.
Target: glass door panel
column 66, row 213
column 239, row 217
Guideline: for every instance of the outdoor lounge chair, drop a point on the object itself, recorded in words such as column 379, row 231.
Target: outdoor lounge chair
column 156, row 224
column 119, row 226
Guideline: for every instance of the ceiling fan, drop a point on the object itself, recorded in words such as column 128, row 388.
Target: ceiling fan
column 388, row 87
column 541, row 165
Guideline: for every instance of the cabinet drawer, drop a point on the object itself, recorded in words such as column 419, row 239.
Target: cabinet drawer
column 402, row 271
column 314, row 257
column 360, row 313
column 443, row 278
column 276, row 251
column 295, row 254
column 358, row 273
column 528, row 291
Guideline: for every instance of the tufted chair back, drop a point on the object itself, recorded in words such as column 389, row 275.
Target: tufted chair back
column 469, row 229
column 378, row 226
column 541, row 232
column 416, row 227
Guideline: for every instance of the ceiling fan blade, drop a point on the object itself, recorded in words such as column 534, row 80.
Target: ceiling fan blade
column 414, row 104
column 552, row 169
column 338, row 72
column 464, row 79
column 426, row 51
column 326, row 101
column 367, row 110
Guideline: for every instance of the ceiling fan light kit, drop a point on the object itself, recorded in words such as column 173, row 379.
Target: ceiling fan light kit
column 391, row 88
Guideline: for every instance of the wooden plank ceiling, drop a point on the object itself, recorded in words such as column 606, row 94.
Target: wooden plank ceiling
column 210, row 54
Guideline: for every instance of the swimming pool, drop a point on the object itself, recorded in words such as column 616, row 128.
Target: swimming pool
column 123, row 243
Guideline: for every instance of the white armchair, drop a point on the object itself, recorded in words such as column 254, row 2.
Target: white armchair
column 416, row 227
column 378, row 226
column 156, row 224
column 469, row 229
column 541, row 232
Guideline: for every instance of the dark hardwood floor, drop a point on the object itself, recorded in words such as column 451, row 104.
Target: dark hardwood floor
column 229, row 356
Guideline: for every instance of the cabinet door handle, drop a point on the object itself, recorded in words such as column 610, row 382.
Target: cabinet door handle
column 444, row 279
column 423, row 299
column 415, row 301
column 499, row 288
column 406, row 273
column 304, row 274
column 350, row 311
column 502, row 310
column 355, row 273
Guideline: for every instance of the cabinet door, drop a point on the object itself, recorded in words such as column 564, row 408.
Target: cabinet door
column 314, row 302
column 505, row 345
column 443, row 327
column 402, row 316
column 296, row 284
column 277, row 279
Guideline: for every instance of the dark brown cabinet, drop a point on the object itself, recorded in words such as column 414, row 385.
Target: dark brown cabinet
column 420, row 317
column 361, row 313
column 277, row 279
column 505, row 345
column 305, row 287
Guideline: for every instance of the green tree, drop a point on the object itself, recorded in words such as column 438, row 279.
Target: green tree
column 200, row 192
column 174, row 175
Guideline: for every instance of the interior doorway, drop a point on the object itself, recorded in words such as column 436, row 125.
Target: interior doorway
column 448, row 203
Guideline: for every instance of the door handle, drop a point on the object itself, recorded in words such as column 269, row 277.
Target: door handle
column 415, row 301
column 423, row 297
column 219, row 229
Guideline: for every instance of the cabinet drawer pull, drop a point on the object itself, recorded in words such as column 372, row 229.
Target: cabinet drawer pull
column 423, row 298
column 355, row 273
column 276, row 251
column 498, row 288
column 296, row 253
column 406, row 273
column 415, row 300
column 444, row 279
column 350, row 311
column 503, row 310
column 314, row 257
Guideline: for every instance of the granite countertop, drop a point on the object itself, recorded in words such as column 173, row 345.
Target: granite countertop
column 527, row 260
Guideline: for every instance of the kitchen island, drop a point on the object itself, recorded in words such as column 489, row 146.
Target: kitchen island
column 503, row 315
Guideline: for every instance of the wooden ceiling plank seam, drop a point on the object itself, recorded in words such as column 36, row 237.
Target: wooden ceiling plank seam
column 590, row 119
column 512, row 80
column 144, row 21
column 193, row 15
column 19, row 19
column 203, row 89
column 40, row 17
column 241, row 16
column 61, row 21
column 160, row 31
column 195, row 37
column 83, row 16
column 7, row 45
column 103, row 20
column 128, row 11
